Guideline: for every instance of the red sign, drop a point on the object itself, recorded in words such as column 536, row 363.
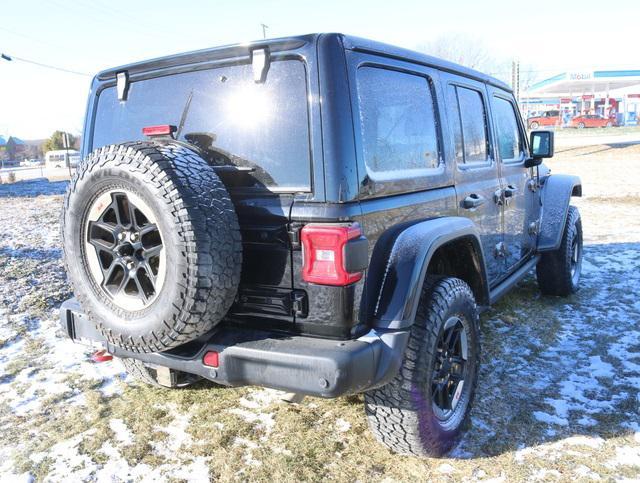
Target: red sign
column 586, row 97
column 565, row 100
column 635, row 96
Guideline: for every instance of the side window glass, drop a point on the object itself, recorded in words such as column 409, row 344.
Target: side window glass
column 398, row 124
column 453, row 112
column 508, row 133
column 473, row 118
column 469, row 124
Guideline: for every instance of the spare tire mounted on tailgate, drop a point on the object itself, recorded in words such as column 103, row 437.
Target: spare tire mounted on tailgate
column 152, row 244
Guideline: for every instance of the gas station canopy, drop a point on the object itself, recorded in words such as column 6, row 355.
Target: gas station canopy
column 570, row 83
column 613, row 94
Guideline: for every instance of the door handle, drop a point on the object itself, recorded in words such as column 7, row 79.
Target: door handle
column 509, row 191
column 472, row 201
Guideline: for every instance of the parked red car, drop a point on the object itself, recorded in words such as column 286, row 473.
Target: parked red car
column 548, row 118
column 591, row 120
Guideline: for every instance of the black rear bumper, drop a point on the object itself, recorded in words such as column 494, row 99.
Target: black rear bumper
column 300, row 364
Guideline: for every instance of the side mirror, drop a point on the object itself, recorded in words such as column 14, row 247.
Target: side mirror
column 541, row 147
column 542, row 144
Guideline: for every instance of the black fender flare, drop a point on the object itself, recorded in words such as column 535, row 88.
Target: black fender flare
column 399, row 265
column 555, row 196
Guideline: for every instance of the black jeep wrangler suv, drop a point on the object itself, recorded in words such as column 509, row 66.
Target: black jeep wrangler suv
column 320, row 214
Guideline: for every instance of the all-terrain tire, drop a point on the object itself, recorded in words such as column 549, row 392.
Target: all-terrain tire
column 199, row 234
column 558, row 272
column 401, row 414
column 149, row 375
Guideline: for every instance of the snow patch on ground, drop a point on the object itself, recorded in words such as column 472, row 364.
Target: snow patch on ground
column 342, row 426
column 121, row 432
column 572, row 368
column 264, row 421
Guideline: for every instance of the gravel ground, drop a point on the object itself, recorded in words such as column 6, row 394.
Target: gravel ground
column 558, row 395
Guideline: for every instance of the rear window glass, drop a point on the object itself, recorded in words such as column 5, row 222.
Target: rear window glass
column 235, row 120
column 398, row 123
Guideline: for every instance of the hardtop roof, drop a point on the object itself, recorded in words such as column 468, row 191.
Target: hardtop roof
column 295, row 42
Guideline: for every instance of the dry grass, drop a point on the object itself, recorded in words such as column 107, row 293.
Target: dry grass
column 557, row 399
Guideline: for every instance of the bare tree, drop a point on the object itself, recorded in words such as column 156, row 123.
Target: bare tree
column 461, row 49
column 472, row 52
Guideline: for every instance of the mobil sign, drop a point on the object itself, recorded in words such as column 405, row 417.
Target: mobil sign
column 580, row 75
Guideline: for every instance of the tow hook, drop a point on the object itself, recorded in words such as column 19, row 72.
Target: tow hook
column 101, row 356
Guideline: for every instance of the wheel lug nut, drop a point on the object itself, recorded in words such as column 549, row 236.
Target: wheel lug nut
column 121, row 236
column 130, row 265
column 133, row 237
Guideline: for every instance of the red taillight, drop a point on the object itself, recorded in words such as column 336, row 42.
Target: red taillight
column 210, row 359
column 160, row 130
column 323, row 248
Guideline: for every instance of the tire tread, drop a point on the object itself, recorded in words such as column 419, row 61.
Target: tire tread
column 391, row 410
column 206, row 222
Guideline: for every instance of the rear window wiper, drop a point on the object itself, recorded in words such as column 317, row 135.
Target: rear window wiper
column 185, row 112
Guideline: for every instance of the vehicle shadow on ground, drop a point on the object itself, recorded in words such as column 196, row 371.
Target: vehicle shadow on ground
column 609, row 147
column 32, row 187
column 554, row 377
column 553, row 374
column 553, row 369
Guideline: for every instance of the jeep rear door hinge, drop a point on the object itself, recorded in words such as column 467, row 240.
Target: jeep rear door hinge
column 299, row 303
column 294, row 234
column 500, row 250
column 534, row 227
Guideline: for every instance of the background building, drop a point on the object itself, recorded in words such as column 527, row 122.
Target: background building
column 610, row 93
column 12, row 150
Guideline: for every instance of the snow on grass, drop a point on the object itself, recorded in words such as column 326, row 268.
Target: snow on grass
column 625, row 456
column 261, row 398
column 342, row 426
column 121, row 433
column 178, row 438
column 558, row 394
column 550, row 418
column 264, row 421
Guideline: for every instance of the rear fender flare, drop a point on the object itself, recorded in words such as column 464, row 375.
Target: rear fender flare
column 555, row 197
column 399, row 265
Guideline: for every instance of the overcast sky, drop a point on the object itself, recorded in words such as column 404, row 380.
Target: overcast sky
column 89, row 35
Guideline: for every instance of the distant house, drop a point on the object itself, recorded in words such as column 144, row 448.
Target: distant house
column 15, row 146
column 13, row 150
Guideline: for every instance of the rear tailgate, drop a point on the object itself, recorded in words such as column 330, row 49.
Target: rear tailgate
column 266, row 286
column 257, row 136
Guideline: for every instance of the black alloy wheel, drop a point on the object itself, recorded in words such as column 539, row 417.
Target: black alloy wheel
column 450, row 368
column 124, row 249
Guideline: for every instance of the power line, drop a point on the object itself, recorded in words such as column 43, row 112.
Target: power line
column 47, row 66
column 32, row 39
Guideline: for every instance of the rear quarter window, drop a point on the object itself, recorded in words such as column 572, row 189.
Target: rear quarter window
column 233, row 119
column 398, row 125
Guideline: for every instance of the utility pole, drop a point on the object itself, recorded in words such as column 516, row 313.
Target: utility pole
column 9, row 59
column 264, row 30
column 65, row 142
column 515, row 79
